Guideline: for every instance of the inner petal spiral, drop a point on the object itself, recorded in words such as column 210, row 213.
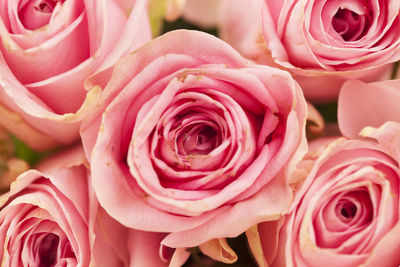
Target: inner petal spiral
column 344, row 215
column 348, row 210
column 350, row 25
column 355, row 207
column 202, row 140
column 36, row 13
column 191, row 136
column 48, row 250
column 45, row 6
column 197, row 140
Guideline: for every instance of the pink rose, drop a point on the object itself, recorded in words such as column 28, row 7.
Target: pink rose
column 52, row 218
column 346, row 212
column 48, row 49
column 192, row 138
column 322, row 43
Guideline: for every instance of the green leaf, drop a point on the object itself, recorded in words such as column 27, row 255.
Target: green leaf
column 157, row 10
column 24, row 152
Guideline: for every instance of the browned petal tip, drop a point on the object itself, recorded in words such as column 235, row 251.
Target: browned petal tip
column 10, row 171
column 15, row 124
column 219, row 250
column 6, row 145
column 315, row 123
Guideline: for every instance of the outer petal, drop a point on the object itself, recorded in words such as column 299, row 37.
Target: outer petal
column 324, row 86
column 144, row 249
column 375, row 104
column 204, row 14
column 243, row 30
column 256, row 205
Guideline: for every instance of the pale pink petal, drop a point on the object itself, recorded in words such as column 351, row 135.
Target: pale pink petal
column 180, row 256
column 144, row 249
column 243, row 29
column 362, row 104
column 202, row 13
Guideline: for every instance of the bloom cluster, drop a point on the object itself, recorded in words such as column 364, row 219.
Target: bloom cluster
column 151, row 146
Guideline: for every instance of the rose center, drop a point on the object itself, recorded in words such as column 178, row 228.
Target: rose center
column 35, row 14
column 350, row 25
column 48, row 250
column 45, row 6
column 198, row 140
column 348, row 210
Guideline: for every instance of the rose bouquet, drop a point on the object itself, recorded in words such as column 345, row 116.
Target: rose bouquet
column 184, row 133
